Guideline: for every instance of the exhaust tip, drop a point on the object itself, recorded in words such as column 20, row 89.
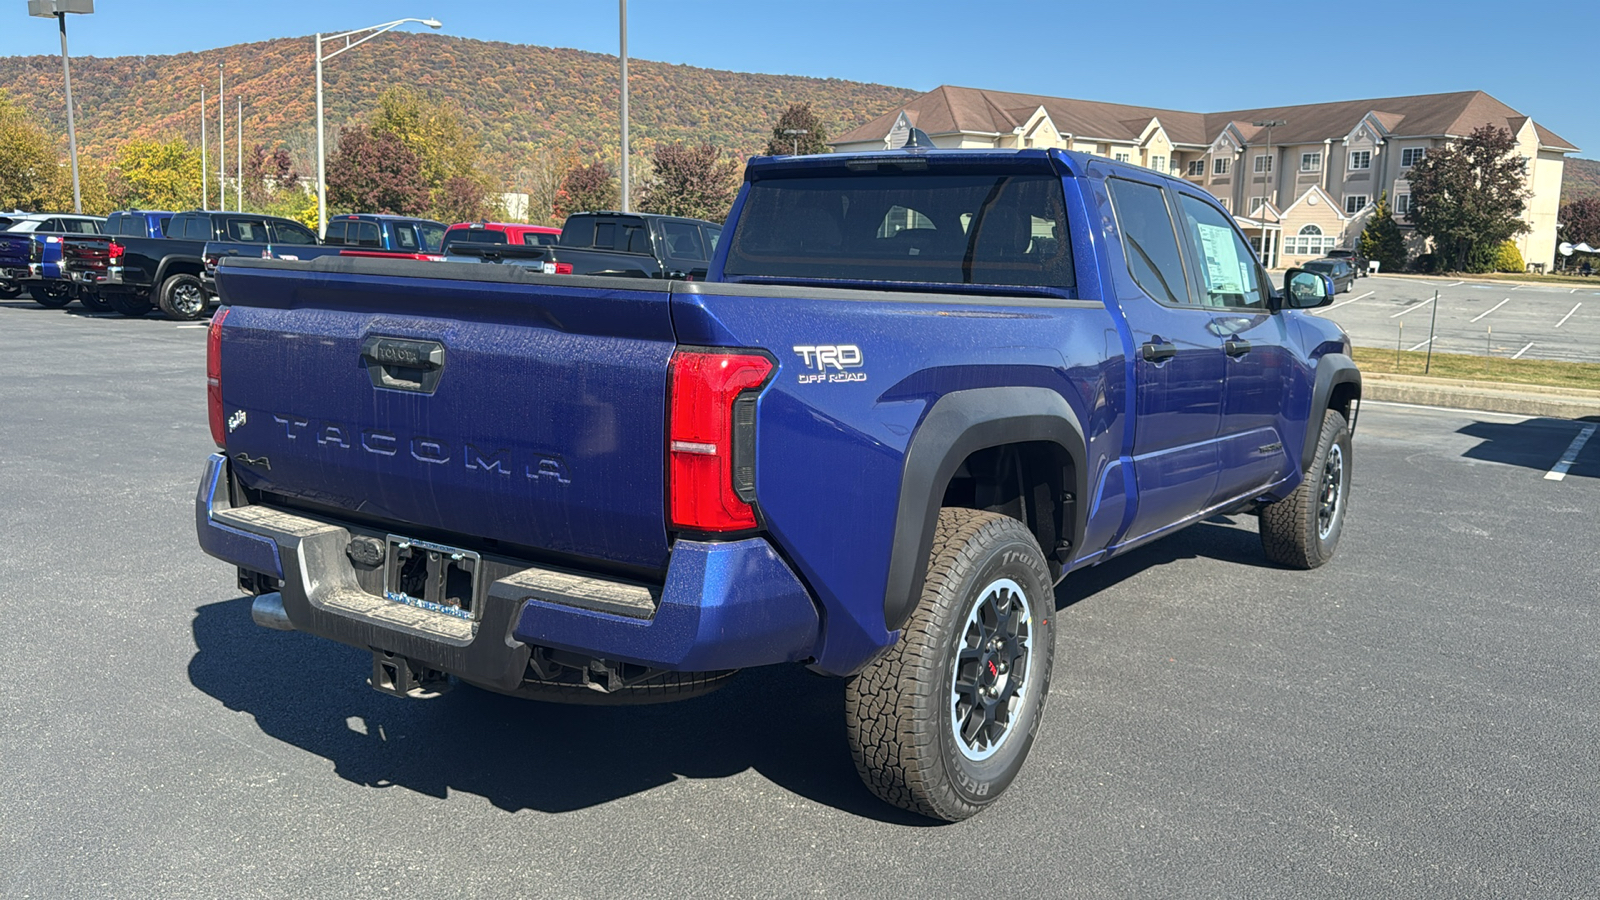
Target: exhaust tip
column 267, row 611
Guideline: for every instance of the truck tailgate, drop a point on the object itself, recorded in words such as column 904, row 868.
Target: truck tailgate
column 541, row 426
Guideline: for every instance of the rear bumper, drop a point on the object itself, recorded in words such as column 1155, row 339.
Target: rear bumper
column 111, row 276
column 723, row 605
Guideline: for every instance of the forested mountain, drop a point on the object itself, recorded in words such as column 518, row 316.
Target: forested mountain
column 520, row 98
column 1580, row 178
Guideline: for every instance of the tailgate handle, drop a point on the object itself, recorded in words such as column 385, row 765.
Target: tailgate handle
column 403, row 364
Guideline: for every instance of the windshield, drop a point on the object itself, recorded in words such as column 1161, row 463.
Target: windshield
column 918, row 227
column 1326, row 268
column 432, row 235
column 26, row 225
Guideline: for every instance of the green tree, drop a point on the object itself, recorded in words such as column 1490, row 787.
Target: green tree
column 690, row 180
column 447, row 154
column 587, row 188
column 1468, row 196
column 373, row 172
column 798, row 117
column 148, row 174
column 1381, row 240
column 31, row 168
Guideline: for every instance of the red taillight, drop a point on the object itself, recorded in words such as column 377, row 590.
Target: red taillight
column 115, row 251
column 710, row 458
column 214, row 377
column 563, row 268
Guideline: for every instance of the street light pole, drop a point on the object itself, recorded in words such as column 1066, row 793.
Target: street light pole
column 1272, row 173
column 58, row 10
column 795, row 134
column 205, row 177
column 370, row 32
column 222, row 143
column 623, row 19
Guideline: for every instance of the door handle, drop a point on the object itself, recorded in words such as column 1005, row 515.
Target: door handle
column 404, row 365
column 1158, row 352
column 1235, row 347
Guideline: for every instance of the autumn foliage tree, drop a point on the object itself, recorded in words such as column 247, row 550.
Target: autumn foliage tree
column 586, row 188
column 266, row 172
column 798, row 117
column 373, row 172
column 446, row 152
column 30, row 167
column 691, row 180
column 1580, row 221
column 148, row 174
column 1468, row 197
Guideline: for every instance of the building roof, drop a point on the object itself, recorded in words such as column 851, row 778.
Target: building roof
column 948, row 109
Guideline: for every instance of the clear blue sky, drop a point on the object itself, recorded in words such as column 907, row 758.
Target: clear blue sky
column 1193, row 56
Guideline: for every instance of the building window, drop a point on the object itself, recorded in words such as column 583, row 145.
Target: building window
column 1360, row 159
column 1220, row 165
column 1197, row 167
column 1311, row 162
column 1402, row 204
column 1354, row 203
column 1225, row 204
column 1121, row 157
column 1256, row 203
column 1309, row 242
column 1263, row 164
column 1159, row 163
column 1411, row 156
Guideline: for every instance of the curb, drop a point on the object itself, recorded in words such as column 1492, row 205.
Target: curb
column 1487, row 396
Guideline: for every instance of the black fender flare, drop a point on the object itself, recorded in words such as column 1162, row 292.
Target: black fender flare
column 1333, row 369
column 960, row 424
column 164, row 270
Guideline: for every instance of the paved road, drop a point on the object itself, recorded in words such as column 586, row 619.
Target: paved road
column 1543, row 322
column 1419, row 718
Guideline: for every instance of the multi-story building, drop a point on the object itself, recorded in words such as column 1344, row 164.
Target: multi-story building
column 1298, row 189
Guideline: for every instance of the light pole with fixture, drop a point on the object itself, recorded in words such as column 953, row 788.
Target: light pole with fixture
column 58, row 10
column 795, row 133
column 622, row 18
column 1272, row 165
column 369, row 33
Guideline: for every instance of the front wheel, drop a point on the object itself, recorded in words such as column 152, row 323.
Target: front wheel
column 51, row 295
column 942, row 722
column 183, row 298
column 1302, row 530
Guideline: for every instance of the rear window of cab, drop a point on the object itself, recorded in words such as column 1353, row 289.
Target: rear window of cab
column 915, row 227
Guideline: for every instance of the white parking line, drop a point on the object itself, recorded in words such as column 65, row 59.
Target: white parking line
column 201, row 325
column 1316, row 312
column 1410, row 308
column 1561, row 468
column 1568, row 315
column 1492, row 309
column 1453, row 284
column 1516, row 287
column 1420, row 346
column 1519, row 353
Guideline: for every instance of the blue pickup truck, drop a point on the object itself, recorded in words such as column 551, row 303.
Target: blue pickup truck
column 916, row 390
column 32, row 252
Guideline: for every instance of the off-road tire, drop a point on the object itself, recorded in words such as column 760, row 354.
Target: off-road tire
column 899, row 711
column 183, row 298
column 93, row 302
column 48, row 298
column 128, row 304
column 1299, row 531
column 665, row 688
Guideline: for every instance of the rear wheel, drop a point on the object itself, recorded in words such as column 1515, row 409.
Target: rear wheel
column 183, row 298
column 128, row 304
column 92, row 301
column 9, row 289
column 942, row 723
column 51, row 295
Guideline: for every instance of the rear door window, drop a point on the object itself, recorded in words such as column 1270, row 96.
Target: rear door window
column 684, row 241
column 1228, row 274
column 197, row 228
column 248, row 231
column 910, row 227
column 335, row 234
column 538, row 238
column 1148, row 241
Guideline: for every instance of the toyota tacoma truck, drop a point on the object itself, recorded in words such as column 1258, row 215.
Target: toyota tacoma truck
column 916, row 390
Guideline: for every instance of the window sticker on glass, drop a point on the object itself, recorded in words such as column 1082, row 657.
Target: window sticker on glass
column 1222, row 260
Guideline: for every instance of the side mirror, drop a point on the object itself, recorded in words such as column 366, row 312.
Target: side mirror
column 1303, row 289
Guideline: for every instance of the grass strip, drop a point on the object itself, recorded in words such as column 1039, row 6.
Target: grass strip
column 1542, row 372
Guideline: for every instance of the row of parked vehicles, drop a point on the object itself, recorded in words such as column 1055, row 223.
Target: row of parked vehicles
column 136, row 261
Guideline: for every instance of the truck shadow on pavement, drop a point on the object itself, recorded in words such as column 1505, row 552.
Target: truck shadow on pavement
column 1537, row 443
column 782, row 721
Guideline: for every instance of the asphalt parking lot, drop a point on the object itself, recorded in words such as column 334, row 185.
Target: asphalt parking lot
column 1418, row 718
column 1526, row 321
